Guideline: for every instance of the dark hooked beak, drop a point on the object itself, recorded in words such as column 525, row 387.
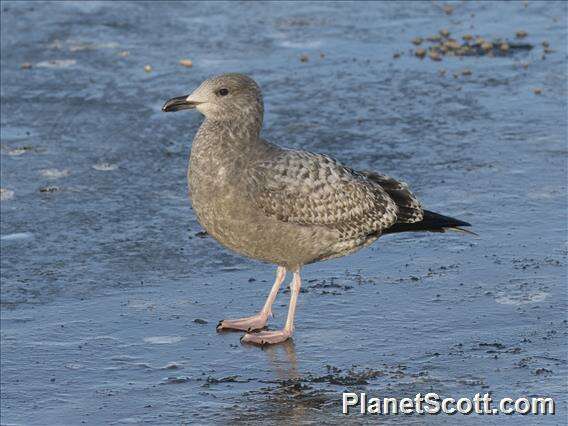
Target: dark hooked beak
column 179, row 103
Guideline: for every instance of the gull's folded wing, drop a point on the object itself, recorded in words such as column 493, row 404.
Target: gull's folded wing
column 409, row 208
column 312, row 189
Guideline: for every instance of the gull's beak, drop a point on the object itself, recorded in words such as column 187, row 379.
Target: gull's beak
column 179, row 103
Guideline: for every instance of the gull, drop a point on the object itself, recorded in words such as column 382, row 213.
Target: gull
column 282, row 206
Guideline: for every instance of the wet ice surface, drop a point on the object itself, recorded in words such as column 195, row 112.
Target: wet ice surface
column 109, row 296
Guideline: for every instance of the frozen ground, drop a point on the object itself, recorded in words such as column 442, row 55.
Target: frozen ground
column 104, row 273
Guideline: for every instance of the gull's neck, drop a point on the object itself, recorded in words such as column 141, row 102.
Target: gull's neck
column 239, row 130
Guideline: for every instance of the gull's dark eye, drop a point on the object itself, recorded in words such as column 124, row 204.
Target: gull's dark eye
column 223, row 92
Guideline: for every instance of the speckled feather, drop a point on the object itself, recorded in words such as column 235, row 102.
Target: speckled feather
column 409, row 208
column 313, row 189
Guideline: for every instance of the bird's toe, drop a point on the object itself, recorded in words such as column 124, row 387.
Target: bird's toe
column 266, row 337
column 256, row 322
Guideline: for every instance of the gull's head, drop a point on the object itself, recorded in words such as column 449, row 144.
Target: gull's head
column 223, row 97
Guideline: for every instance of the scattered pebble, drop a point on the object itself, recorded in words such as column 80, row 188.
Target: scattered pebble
column 442, row 72
column 105, row 167
column 26, row 66
column 322, row 55
column 545, row 43
column 186, row 63
column 471, row 46
column 6, row 194
column 124, row 53
column 420, row 52
column 521, row 34
column 54, row 173
column 466, row 71
column 396, row 55
column 148, row 68
column 304, row 57
column 451, row 45
column 537, row 91
column 435, row 56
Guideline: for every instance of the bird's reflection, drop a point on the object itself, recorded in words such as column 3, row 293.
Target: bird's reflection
column 283, row 360
column 291, row 397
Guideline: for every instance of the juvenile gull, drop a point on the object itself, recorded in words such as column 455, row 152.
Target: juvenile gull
column 283, row 206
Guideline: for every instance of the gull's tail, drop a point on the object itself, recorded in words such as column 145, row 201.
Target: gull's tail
column 431, row 222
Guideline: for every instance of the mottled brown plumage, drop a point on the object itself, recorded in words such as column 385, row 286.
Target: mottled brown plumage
column 313, row 190
column 287, row 207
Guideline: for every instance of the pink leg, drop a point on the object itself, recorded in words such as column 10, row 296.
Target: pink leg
column 273, row 337
column 258, row 321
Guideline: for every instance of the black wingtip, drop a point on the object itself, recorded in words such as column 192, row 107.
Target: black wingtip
column 460, row 223
column 460, row 229
column 431, row 222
